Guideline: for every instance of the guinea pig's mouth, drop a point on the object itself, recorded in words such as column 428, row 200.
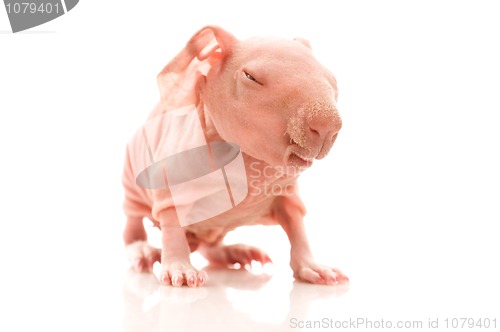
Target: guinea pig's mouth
column 300, row 161
column 294, row 156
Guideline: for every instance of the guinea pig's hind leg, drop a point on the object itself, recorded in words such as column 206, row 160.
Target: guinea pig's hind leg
column 231, row 254
column 140, row 254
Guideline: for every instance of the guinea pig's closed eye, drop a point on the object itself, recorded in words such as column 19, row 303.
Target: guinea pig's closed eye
column 250, row 77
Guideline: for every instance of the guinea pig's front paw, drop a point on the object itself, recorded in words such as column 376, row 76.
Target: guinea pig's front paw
column 181, row 273
column 314, row 273
column 142, row 256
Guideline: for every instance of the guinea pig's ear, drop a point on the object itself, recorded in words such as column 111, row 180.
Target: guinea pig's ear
column 211, row 41
column 178, row 79
column 304, row 42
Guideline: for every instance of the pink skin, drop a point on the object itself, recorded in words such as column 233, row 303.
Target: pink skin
column 272, row 98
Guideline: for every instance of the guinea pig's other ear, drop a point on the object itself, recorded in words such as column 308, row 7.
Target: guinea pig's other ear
column 304, row 42
column 178, row 79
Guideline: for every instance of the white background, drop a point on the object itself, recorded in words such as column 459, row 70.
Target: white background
column 407, row 204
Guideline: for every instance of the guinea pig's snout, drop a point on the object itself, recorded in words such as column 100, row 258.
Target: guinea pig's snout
column 324, row 123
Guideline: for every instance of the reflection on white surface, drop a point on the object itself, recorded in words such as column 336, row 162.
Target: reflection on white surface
column 233, row 300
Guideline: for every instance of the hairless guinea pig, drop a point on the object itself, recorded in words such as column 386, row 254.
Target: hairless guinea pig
column 273, row 105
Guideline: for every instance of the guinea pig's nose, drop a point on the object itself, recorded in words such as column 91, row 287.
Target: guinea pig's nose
column 325, row 123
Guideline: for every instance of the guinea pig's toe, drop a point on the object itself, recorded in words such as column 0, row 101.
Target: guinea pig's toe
column 309, row 275
column 340, row 276
column 177, row 279
column 191, row 279
column 329, row 276
column 179, row 275
column 165, row 279
column 202, row 277
column 260, row 256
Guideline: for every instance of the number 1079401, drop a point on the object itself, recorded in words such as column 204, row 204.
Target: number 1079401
column 32, row 8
